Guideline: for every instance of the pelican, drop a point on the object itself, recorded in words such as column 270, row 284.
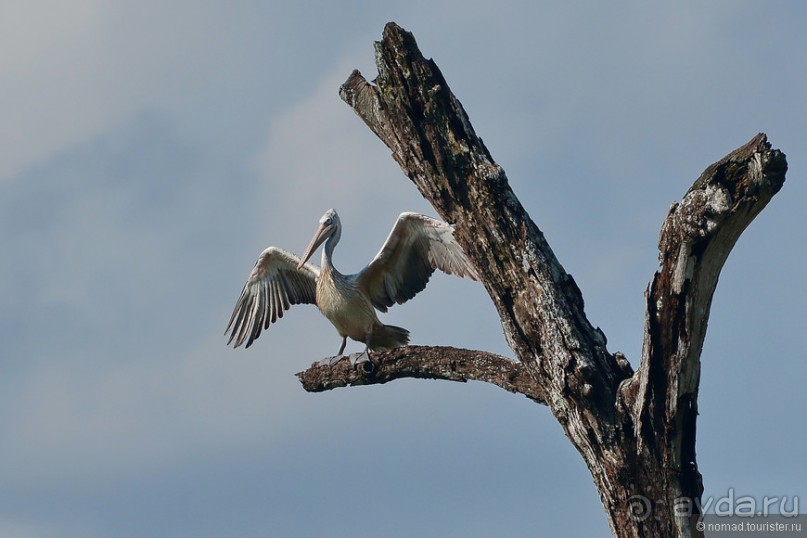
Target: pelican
column 416, row 246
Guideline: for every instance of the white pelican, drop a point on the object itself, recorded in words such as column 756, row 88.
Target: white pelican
column 416, row 246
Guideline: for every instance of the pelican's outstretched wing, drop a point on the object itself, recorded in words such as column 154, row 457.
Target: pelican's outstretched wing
column 272, row 287
column 416, row 246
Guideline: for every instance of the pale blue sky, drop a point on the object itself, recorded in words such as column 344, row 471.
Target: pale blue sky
column 150, row 150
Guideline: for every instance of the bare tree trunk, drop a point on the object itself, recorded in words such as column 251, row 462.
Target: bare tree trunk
column 635, row 431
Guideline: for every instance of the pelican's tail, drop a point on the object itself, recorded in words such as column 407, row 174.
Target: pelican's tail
column 385, row 337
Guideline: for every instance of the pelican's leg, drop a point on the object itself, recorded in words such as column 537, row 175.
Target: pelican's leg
column 365, row 357
column 338, row 357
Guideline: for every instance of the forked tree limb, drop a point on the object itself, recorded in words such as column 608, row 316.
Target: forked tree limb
column 661, row 399
column 635, row 431
column 424, row 362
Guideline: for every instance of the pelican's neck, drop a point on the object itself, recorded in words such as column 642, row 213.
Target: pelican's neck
column 327, row 252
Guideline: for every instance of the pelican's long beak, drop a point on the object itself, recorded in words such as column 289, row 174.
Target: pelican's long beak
column 322, row 233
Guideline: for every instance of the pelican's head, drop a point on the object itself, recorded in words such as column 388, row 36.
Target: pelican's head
column 329, row 225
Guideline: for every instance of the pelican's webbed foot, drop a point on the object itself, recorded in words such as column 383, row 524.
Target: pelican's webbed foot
column 362, row 357
column 355, row 359
column 331, row 361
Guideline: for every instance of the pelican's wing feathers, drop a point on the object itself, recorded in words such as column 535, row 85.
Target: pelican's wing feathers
column 416, row 246
column 272, row 287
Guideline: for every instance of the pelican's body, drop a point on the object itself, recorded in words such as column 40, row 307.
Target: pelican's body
column 416, row 246
column 341, row 300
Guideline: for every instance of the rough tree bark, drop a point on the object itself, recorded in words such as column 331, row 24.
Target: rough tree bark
column 634, row 430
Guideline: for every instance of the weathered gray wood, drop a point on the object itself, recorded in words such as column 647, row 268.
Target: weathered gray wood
column 635, row 432
column 661, row 400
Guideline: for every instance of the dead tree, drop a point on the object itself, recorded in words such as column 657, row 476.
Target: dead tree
column 634, row 429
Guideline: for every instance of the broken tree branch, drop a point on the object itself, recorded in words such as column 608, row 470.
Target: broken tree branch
column 413, row 111
column 695, row 241
column 424, row 362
